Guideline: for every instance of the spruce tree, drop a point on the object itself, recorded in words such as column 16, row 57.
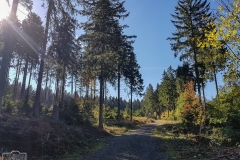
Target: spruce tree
column 190, row 19
column 62, row 50
column 101, row 33
column 133, row 77
column 32, row 31
column 56, row 10
column 168, row 89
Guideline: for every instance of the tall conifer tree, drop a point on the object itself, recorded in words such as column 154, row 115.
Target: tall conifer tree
column 101, row 34
column 190, row 19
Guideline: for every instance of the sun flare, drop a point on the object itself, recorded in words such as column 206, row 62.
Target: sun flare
column 4, row 9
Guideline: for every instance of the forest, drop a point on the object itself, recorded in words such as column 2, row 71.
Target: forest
column 63, row 78
column 55, row 58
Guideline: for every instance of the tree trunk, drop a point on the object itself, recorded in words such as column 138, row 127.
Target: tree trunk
column 46, row 87
column 19, row 72
column 197, row 76
column 103, row 92
column 91, row 90
column 14, row 8
column 63, row 83
column 101, row 86
column 131, row 105
column 24, row 79
column 94, row 90
column 204, row 98
column 105, row 89
column 3, row 78
column 118, row 114
column 216, row 84
column 75, row 93
column 72, row 86
column 16, row 80
column 30, row 76
column 87, row 89
column 56, row 103
column 40, row 76
column 7, row 51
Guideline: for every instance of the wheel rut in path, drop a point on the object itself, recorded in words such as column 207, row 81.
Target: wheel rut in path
column 138, row 145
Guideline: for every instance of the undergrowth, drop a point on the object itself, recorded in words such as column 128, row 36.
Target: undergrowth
column 181, row 144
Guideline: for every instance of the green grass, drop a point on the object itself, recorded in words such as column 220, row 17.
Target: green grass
column 181, row 146
column 99, row 145
column 93, row 146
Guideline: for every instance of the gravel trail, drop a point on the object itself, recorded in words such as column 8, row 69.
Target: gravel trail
column 138, row 145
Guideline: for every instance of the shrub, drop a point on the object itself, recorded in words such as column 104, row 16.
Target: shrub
column 110, row 113
column 126, row 112
column 138, row 113
column 8, row 105
column 165, row 116
column 70, row 113
column 192, row 109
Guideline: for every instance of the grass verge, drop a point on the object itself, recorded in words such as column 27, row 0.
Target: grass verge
column 189, row 146
column 94, row 146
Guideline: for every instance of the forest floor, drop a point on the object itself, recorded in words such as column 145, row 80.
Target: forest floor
column 141, row 139
column 190, row 146
column 45, row 139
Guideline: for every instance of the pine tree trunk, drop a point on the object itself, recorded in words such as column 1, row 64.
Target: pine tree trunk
column 105, row 88
column 101, row 86
column 30, row 76
column 75, row 93
column 4, row 69
column 216, row 84
column 118, row 96
column 56, row 103
column 72, row 86
column 131, row 105
column 14, row 8
column 80, row 92
column 204, row 98
column 197, row 76
column 87, row 88
column 91, row 90
column 15, row 80
column 103, row 92
column 46, row 87
column 63, row 83
column 24, row 79
column 94, row 91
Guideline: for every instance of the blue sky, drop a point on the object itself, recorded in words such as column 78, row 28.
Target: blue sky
column 150, row 21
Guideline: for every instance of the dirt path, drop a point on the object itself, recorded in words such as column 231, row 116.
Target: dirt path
column 138, row 145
